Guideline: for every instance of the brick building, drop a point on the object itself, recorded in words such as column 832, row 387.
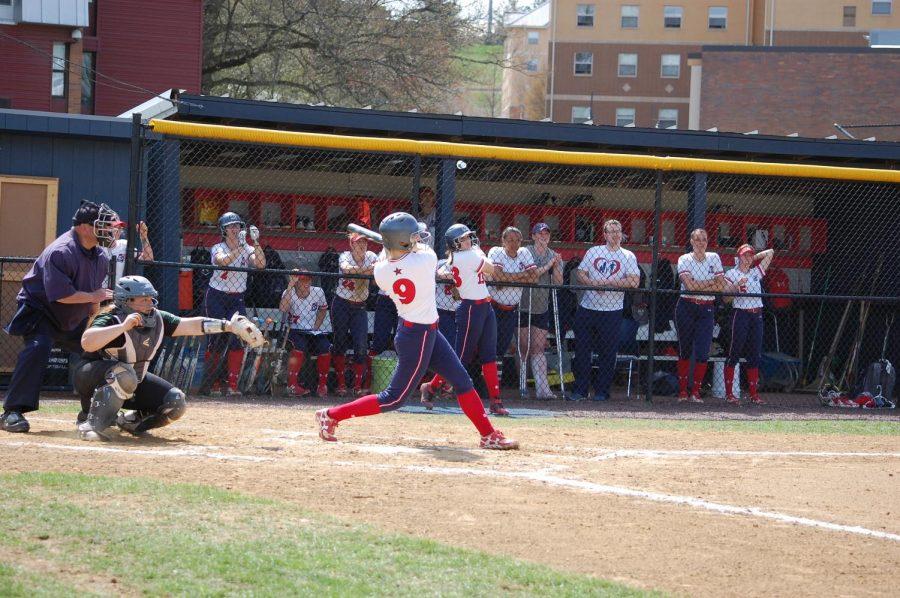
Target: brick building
column 626, row 62
column 783, row 91
column 155, row 45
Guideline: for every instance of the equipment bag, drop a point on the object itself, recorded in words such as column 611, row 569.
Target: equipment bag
column 879, row 380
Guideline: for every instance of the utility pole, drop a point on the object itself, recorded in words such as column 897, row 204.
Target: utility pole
column 490, row 23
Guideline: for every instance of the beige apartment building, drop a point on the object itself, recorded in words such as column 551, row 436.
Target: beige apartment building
column 639, row 62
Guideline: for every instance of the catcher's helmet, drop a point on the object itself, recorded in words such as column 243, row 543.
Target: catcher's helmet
column 229, row 218
column 129, row 287
column 456, row 233
column 397, row 230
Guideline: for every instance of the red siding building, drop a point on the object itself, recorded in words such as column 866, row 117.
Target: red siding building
column 156, row 45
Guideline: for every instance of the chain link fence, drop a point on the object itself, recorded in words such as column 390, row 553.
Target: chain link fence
column 612, row 281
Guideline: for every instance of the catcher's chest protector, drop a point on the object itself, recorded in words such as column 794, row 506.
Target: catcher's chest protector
column 141, row 344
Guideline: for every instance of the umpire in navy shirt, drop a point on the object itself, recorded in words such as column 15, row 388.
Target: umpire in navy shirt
column 59, row 294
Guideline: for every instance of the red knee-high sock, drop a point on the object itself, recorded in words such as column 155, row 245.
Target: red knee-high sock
column 367, row 405
column 369, row 369
column 295, row 363
column 729, row 379
column 436, row 382
column 323, row 364
column 684, row 365
column 471, row 405
column 234, row 367
column 753, row 381
column 340, row 368
column 489, row 370
column 699, row 373
column 358, row 371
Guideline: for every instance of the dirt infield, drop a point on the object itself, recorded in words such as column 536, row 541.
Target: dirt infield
column 688, row 512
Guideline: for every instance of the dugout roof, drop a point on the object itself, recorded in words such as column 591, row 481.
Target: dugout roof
column 521, row 133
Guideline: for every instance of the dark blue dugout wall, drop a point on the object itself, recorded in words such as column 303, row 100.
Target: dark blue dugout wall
column 88, row 154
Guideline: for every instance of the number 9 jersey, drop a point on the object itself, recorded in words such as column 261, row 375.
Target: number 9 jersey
column 409, row 281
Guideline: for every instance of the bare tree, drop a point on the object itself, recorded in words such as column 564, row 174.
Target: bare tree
column 387, row 53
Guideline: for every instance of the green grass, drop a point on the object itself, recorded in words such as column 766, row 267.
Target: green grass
column 767, row 426
column 72, row 406
column 157, row 538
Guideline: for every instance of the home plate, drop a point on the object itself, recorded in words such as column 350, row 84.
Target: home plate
column 513, row 411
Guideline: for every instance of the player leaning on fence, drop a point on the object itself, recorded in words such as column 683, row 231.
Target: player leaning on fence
column 747, row 320
column 225, row 296
column 58, row 294
column 349, row 319
column 598, row 319
column 534, row 312
column 512, row 263
column 699, row 270
column 119, row 345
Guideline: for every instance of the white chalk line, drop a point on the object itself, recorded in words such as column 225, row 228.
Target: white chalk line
column 193, row 452
column 660, row 454
column 594, row 488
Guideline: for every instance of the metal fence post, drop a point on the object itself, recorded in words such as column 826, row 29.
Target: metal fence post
column 134, row 190
column 446, row 202
column 651, row 330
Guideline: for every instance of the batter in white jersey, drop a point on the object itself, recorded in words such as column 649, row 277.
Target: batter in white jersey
column 116, row 253
column 409, row 281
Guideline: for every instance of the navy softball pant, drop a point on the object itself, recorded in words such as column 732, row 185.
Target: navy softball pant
column 447, row 325
column 350, row 323
column 694, row 325
column 476, row 332
column 507, row 323
column 385, row 324
column 746, row 337
column 312, row 344
column 595, row 332
column 421, row 347
column 219, row 304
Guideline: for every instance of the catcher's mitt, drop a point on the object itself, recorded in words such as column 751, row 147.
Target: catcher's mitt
column 247, row 331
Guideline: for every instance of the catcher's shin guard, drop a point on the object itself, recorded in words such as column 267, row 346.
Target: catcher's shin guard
column 121, row 382
column 138, row 422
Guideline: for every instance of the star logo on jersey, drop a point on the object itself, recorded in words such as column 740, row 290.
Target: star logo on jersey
column 607, row 268
column 398, row 271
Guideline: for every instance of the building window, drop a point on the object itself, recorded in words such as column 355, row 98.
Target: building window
column 718, row 17
column 670, row 67
column 881, row 7
column 581, row 114
column 624, row 117
column 534, row 37
column 87, row 82
column 630, row 16
column 585, row 15
column 584, row 63
column 849, row 16
column 58, row 76
column 672, row 17
column 668, row 117
column 531, row 66
column 628, row 65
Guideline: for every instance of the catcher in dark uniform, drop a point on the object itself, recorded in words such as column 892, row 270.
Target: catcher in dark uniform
column 119, row 346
